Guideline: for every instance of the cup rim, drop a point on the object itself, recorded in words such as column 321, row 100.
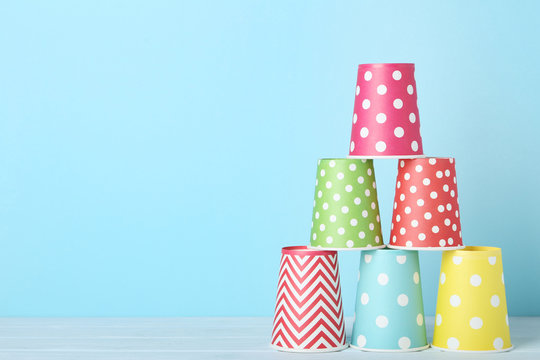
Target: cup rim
column 395, row 252
column 389, row 248
column 382, row 65
column 476, row 251
column 301, row 350
column 341, row 159
column 427, row 248
column 345, row 159
column 397, row 156
column 365, row 248
column 303, row 250
column 472, row 351
column 427, row 157
column 420, row 348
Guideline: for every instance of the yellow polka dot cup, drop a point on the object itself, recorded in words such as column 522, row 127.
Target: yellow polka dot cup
column 471, row 311
column 346, row 209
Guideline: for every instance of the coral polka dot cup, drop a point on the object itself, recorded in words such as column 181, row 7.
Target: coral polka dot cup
column 346, row 209
column 389, row 312
column 471, row 303
column 426, row 210
column 385, row 120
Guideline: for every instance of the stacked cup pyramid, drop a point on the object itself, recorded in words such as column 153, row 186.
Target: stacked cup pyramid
column 389, row 314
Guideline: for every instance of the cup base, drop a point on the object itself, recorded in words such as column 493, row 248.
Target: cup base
column 279, row 348
column 472, row 351
column 433, row 248
column 346, row 249
column 391, row 350
column 420, row 156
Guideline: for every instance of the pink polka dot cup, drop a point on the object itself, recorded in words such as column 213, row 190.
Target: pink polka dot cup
column 385, row 120
column 426, row 211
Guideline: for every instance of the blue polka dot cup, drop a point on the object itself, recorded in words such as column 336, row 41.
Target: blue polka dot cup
column 389, row 312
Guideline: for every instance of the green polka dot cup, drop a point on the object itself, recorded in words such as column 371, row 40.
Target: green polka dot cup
column 346, row 209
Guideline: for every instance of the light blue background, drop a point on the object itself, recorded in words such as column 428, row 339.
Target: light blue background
column 155, row 156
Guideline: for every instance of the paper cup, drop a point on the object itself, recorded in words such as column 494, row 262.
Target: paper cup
column 471, row 303
column 389, row 313
column 309, row 312
column 426, row 209
column 385, row 120
column 346, row 209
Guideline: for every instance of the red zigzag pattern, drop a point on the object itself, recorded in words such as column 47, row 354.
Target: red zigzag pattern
column 309, row 313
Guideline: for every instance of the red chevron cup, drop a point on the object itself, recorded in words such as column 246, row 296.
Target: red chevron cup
column 385, row 119
column 309, row 313
column 426, row 210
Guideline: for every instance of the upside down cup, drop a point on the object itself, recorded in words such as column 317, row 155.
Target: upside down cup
column 389, row 312
column 471, row 311
column 309, row 311
column 386, row 123
column 346, row 209
column 426, row 209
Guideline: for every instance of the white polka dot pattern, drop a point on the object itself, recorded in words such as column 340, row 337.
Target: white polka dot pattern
column 427, row 210
column 385, row 120
column 389, row 305
column 346, row 211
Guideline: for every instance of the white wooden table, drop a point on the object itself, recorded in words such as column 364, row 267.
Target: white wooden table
column 198, row 338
